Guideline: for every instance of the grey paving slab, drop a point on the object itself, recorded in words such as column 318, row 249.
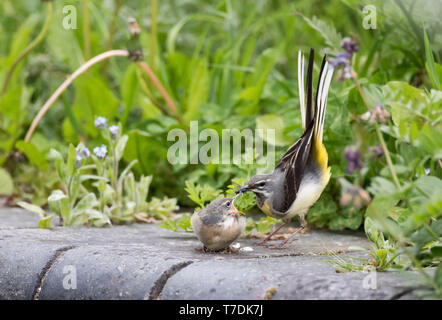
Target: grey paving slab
column 21, row 266
column 96, row 272
column 277, row 278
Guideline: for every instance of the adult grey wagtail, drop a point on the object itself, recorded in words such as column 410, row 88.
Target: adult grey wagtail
column 219, row 224
column 303, row 172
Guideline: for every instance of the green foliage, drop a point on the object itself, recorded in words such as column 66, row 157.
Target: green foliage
column 74, row 204
column 182, row 224
column 263, row 225
column 229, row 65
column 201, row 195
column 7, row 185
column 45, row 219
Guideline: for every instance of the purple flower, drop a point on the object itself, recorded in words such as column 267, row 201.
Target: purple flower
column 353, row 157
column 377, row 151
column 342, row 59
column 113, row 131
column 349, row 45
column 100, row 122
column 101, row 151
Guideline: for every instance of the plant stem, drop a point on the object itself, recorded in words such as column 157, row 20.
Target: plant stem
column 112, row 27
column 29, row 48
column 67, row 82
column 86, row 30
column 379, row 133
column 387, row 156
column 152, row 77
column 153, row 32
column 103, row 56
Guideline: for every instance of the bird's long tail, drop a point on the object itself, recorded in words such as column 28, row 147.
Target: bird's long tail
column 306, row 98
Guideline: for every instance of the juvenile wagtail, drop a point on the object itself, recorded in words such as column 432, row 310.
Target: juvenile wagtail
column 303, row 172
column 219, row 224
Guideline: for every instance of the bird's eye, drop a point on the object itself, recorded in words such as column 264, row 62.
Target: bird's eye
column 262, row 184
column 228, row 204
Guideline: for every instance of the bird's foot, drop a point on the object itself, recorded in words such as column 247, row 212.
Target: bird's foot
column 261, row 243
column 302, row 230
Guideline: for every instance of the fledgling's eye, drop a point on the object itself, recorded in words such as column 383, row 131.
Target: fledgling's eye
column 228, row 204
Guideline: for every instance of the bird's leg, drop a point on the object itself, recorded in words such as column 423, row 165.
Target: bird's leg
column 279, row 245
column 260, row 243
column 303, row 229
column 304, row 224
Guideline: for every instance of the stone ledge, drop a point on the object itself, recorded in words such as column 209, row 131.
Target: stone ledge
column 146, row 262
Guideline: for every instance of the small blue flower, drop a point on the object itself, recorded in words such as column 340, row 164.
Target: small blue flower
column 113, row 131
column 101, row 151
column 81, row 153
column 85, row 153
column 78, row 159
column 100, row 122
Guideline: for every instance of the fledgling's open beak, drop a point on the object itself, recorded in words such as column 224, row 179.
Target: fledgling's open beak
column 233, row 209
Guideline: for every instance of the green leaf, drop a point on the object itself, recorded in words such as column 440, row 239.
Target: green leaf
column 436, row 251
column 34, row 155
column 327, row 31
column 46, row 222
column 198, row 89
column 89, row 201
column 429, row 63
column 6, row 185
column 12, row 116
column 272, row 122
column 33, row 208
column 128, row 90
column 59, row 163
column 93, row 98
column 119, row 149
column 72, row 160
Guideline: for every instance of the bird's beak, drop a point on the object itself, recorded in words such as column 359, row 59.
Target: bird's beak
column 243, row 189
column 233, row 209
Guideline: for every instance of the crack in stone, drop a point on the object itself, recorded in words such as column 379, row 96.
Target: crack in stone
column 157, row 289
column 43, row 274
column 399, row 295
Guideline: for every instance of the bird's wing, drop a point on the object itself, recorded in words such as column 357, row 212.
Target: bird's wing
column 293, row 164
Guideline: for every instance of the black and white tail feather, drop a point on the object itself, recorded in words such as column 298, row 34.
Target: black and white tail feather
column 293, row 162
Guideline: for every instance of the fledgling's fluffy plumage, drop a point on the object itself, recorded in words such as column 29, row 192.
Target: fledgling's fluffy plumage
column 219, row 224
